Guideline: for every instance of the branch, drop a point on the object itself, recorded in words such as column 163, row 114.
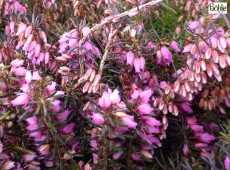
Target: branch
column 106, row 50
column 116, row 18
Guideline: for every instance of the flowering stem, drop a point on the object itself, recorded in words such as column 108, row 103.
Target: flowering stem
column 106, row 50
column 123, row 14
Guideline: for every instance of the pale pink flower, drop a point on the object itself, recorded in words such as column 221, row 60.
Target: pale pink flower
column 174, row 45
column 145, row 109
column 8, row 165
column 28, row 76
column 135, row 94
column 29, row 157
column 129, row 121
column 64, row 115
column 51, row 88
column 142, row 63
column 104, row 101
column 137, row 64
column 22, row 99
column 32, row 120
column 130, row 57
column 194, row 25
column 25, row 88
column 16, row 63
column 97, row 118
column 21, row 29
column 114, row 97
column 20, row 71
column 94, row 144
column 166, row 56
column 44, row 149
column 85, row 31
column 145, row 95
column 151, row 121
column 36, row 76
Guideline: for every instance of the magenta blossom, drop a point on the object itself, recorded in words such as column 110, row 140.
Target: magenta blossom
column 227, row 163
column 68, row 128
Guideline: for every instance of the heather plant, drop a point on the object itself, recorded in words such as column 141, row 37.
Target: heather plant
column 105, row 84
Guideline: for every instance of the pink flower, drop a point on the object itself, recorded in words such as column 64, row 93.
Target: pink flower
column 28, row 76
column 142, row 63
column 104, row 101
column 94, row 144
column 137, row 64
column 64, row 115
column 197, row 128
column 85, row 31
column 207, row 138
column 68, row 128
column 151, row 121
column 174, row 45
column 50, row 88
column 129, row 121
column 194, row 25
column 166, row 56
column 114, row 97
column 56, row 105
column 20, row 71
column 32, row 127
column 44, row 149
column 22, row 99
column 186, row 107
column 145, row 95
column 227, row 163
column 8, row 165
column 36, row 76
column 1, row 147
column 135, row 94
column 3, row 86
column 21, row 29
column 130, row 57
column 145, row 108
column 16, row 63
column 29, row 157
column 117, row 155
column 32, row 120
column 191, row 120
column 97, row 118
column 135, row 156
column 185, row 150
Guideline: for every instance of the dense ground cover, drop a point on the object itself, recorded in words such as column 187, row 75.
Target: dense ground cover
column 114, row 84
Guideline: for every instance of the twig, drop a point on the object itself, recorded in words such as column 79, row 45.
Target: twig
column 118, row 16
column 106, row 50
